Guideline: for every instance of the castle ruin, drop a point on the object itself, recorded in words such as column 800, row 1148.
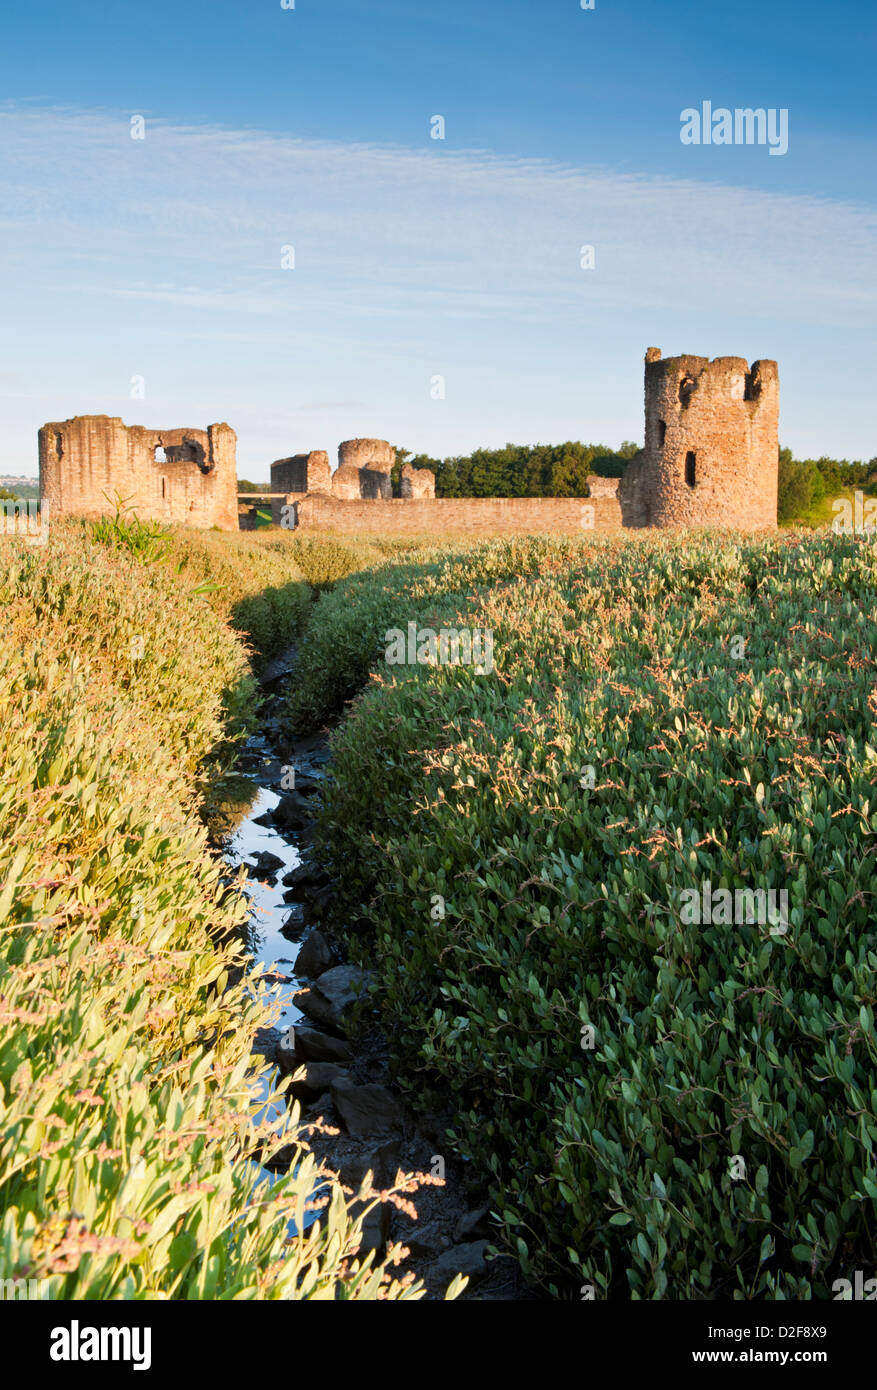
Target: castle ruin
column 711, row 455
column 711, row 458
column 363, row 474
column 189, row 476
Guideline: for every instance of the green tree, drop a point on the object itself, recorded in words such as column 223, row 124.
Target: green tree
column 795, row 491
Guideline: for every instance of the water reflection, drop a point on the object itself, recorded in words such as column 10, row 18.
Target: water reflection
column 264, row 937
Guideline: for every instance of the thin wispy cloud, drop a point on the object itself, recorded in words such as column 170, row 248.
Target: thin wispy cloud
column 179, row 237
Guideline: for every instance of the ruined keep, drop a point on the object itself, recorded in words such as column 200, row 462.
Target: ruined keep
column 711, row 455
column 364, row 468
column 180, row 475
column 363, row 474
column 376, row 455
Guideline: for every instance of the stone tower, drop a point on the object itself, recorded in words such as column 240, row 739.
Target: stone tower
column 364, row 468
column 181, row 475
column 711, row 454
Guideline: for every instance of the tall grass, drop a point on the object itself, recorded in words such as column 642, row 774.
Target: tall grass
column 259, row 589
column 127, row 1085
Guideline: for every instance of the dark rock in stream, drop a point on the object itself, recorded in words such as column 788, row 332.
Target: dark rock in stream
column 474, row 1223
column 318, row 1078
column 375, row 1228
column 322, row 900
column 280, row 666
column 318, row 899
column 425, row 1248
column 313, row 1046
column 293, row 811
column 295, row 923
column 285, row 1054
column 315, row 956
column 306, row 784
column 305, row 875
column 266, row 864
column 329, row 999
column 366, row 1110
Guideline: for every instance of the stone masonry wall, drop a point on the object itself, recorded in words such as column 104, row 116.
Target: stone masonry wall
column 634, row 492
column 471, row 516
column 300, row 474
column 711, row 445
column 88, row 462
column 710, row 458
column 346, row 483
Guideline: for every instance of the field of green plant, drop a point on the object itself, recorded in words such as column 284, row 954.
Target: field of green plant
column 661, row 1109
column 127, row 1085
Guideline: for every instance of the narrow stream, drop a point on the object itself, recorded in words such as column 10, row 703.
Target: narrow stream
column 448, row 1229
column 273, row 935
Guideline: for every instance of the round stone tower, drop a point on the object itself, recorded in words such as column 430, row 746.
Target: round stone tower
column 375, row 454
column 711, row 452
column 364, row 468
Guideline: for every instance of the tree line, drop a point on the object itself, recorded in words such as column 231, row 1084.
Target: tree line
column 805, row 482
column 520, row 470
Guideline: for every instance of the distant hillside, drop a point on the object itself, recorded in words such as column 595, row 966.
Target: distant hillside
column 19, row 486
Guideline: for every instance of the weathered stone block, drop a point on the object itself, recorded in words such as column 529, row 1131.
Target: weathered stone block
column 417, row 482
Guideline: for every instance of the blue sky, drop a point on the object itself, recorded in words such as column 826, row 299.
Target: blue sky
column 415, row 258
